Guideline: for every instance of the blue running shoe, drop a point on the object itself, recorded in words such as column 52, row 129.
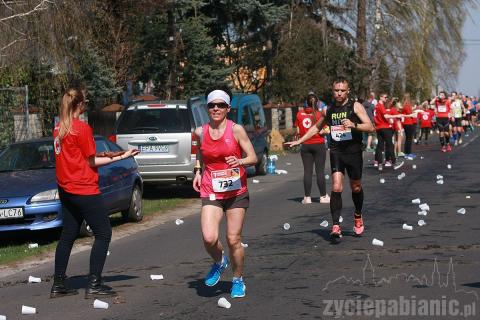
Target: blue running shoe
column 238, row 289
column 213, row 276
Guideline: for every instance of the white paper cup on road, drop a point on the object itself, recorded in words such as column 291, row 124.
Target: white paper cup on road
column 421, row 223
column 422, row 213
column 340, row 219
column 439, row 181
column 416, row 201
column 462, row 211
column 421, row 157
column 424, row 207
column 32, row 279
column 255, row 181
column 286, row 226
column 377, row 242
column 449, row 166
column 288, row 163
column 382, row 180
column 467, row 197
column 223, row 303
column 156, row 276
column 439, row 177
column 28, row 310
column 245, row 245
column 179, row 222
column 324, row 223
column 99, row 304
column 32, row 245
column 2, row 317
column 407, row 227
column 414, row 166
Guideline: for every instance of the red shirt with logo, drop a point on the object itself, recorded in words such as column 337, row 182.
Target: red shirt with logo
column 74, row 174
column 426, row 119
column 443, row 108
column 396, row 122
column 407, row 109
column 305, row 121
column 379, row 117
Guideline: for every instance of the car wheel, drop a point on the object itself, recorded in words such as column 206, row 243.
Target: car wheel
column 261, row 166
column 134, row 213
column 85, row 230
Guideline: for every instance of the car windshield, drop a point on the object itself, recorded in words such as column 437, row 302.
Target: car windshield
column 27, row 156
column 157, row 120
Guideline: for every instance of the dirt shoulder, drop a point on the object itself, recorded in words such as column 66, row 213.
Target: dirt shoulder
column 190, row 207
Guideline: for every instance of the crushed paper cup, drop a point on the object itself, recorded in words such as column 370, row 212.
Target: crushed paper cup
column 99, row 304
column 255, row 181
column 422, row 213
column 32, row 245
column 462, row 211
column 2, row 317
column 467, row 197
column 424, row 207
column 324, row 223
column 421, row 157
column 278, row 171
column 407, row 227
column 449, row 166
column 179, row 222
column 439, row 181
column 382, row 180
column 223, row 303
column 32, row 279
column 340, row 219
column 414, row 166
column 439, row 177
column 156, row 277
column 28, row 310
column 416, row 201
column 421, row 223
column 377, row 242
column 286, row 226
column 288, row 163
column 245, row 245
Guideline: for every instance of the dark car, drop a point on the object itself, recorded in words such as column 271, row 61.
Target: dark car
column 247, row 110
column 29, row 197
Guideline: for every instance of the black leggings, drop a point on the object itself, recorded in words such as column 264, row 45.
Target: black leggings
column 425, row 132
column 313, row 153
column 384, row 137
column 77, row 208
column 409, row 131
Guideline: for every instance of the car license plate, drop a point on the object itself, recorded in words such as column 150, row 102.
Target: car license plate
column 160, row 148
column 11, row 213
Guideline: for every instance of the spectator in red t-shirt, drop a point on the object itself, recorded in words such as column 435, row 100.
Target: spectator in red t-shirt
column 77, row 178
column 313, row 151
column 425, row 122
column 408, row 122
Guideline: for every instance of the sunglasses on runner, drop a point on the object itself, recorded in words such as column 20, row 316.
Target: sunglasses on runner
column 221, row 105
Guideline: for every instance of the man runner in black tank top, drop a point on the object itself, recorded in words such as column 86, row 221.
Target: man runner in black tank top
column 346, row 121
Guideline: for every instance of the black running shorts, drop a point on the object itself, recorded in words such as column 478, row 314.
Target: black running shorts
column 442, row 124
column 458, row 122
column 352, row 162
column 240, row 201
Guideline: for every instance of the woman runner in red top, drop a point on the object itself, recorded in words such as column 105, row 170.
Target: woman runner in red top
column 223, row 186
column 77, row 178
column 312, row 151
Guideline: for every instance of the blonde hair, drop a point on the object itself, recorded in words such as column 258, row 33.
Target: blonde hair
column 71, row 100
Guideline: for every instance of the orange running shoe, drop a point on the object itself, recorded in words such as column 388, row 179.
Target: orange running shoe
column 358, row 226
column 336, row 231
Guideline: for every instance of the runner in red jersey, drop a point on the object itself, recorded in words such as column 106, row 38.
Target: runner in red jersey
column 77, row 178
column 223, row 186
column 312, row 151
column 442, row 109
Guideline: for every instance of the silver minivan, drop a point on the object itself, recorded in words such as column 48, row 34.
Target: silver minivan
column 163, row 132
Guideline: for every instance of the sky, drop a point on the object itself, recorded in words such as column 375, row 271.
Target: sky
column 469, row 76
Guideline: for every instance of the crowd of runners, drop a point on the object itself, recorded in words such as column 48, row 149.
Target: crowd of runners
column 389, row 127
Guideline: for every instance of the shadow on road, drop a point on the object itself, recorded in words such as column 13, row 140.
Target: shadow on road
column 185, row 191
column 79, row 282
column 222, row 287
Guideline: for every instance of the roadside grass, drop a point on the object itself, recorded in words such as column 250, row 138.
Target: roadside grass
column 14, row 246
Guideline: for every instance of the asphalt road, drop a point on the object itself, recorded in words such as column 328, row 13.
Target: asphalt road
column 299, row 274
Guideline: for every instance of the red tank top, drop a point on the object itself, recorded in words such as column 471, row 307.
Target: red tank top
column 220, row 179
